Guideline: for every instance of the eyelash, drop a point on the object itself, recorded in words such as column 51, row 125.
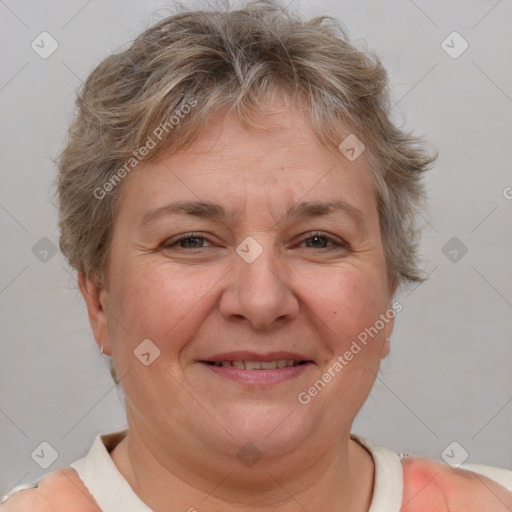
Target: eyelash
column 314, row 234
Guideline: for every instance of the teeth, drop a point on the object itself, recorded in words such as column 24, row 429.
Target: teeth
column 258, row 365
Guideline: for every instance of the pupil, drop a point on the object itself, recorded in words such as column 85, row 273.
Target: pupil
column 315, row 239
column 192, row 241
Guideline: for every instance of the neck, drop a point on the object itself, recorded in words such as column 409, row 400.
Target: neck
column 339, row 480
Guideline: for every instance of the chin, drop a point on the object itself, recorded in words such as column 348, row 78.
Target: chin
column 270, row 428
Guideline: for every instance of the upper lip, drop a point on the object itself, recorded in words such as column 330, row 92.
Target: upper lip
column 246, row 355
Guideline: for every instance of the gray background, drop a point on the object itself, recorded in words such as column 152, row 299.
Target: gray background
column 448, row 377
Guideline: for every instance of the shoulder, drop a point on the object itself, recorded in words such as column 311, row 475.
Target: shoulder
column 60, row 491
column 430, row 485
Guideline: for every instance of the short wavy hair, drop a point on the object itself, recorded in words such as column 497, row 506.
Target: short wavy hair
column 235, row 59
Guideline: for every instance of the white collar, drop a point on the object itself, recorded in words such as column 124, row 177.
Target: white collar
column 113, row 493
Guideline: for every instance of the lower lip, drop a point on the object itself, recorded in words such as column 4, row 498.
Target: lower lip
column 258, row 376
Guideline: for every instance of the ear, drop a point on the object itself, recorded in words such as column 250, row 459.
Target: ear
column 96, row 299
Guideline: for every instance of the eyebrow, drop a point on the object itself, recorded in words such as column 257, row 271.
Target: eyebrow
column 207, row 210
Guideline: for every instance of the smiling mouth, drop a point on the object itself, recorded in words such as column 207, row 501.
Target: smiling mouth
column 258, row 365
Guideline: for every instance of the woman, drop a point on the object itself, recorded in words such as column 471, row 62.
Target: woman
column 239, row 209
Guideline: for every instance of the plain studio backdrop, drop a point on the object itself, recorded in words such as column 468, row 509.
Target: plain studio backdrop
column 448, row 378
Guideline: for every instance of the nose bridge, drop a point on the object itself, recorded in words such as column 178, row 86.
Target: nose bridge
column 258, row 267
column 258, row 290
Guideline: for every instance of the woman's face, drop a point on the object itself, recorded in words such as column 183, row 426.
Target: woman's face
column 224, row 252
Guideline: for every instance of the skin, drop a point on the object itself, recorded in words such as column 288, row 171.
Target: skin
column 428, row 486
column 186, row 424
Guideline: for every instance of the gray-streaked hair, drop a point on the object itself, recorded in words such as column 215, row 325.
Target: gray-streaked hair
column 236, row 59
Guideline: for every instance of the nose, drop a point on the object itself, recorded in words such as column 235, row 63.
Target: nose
column 258, row 293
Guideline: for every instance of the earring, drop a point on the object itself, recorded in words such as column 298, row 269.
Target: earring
column 101, row 350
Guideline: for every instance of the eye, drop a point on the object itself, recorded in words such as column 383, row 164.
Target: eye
column 316, row 240
column 321, row 241
column 186, row 241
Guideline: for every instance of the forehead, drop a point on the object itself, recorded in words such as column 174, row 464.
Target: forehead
column 273, row 167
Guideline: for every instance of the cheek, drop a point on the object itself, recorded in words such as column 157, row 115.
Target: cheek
column 158, row 302
column 359, row 304
column 348, row 300
column 164, row 305
column 354, row 347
